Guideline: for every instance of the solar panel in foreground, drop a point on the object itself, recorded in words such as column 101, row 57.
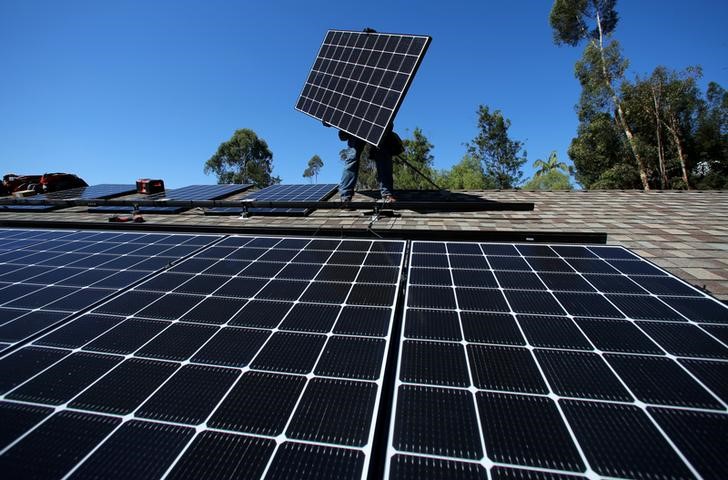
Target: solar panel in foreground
column 266, row 357
column 254, row 357
column 358, row 80
column 47, row 276
column 531, row 361
column 282, row 193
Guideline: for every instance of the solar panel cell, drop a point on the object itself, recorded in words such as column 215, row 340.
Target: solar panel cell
column 432, row 325
column 351, row 357
column 505, row 368
column 580, row 375
column 526, row 430
column 215, row 310
column 124, row 389
column 190, row 395
column 620, row 440
column 437, row 421
column 347, row 424
column 28, row 324
column 699, row 435
column 128, row 336
column 661, row 381
column 65, row 379
column 177, row 342
column 17, row 419
column 21, row 365
column 275, row 355
column 409, row 467
column 136, row 450
column 490, row 328
column 223, row 455
column 259, row 403
column 66, row 438
column 553, row 332
column 434, row 363
column 309, row 461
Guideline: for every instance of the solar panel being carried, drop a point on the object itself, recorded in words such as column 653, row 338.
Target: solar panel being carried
column 191, row 192
column 104, row 190
column 358, row 80
column 576, row 360
column 282, row 193
column 254, row 357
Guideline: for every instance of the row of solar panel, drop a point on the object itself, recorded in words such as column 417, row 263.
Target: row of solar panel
column 287, row 193
column 265, row 357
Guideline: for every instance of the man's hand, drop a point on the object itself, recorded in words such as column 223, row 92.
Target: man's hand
column 325, row 123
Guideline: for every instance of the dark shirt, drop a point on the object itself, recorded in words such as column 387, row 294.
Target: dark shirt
column 352, row 141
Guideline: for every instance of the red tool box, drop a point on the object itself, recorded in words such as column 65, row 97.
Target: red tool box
column 147, row 185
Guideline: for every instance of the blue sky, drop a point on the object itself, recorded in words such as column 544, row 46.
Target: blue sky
column 114, row 91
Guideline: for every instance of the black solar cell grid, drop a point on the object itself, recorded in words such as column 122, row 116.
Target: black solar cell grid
column 197, row 372
column 247, row 352
column 190, row 192
column 223, row 455
column 358, row 80
column 580, row 360
column 282, row 193
column 82, row 193
column 66, row 272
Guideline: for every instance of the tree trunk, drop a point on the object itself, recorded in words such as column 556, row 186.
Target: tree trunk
column 658, row 134
column 622, row 120
column 673, row 129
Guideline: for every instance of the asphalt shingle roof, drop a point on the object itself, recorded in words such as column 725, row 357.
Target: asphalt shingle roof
column 685, row 232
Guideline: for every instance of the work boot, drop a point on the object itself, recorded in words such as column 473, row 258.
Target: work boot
column 347, row 201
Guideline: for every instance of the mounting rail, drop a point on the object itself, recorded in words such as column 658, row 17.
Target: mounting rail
column 444, row 206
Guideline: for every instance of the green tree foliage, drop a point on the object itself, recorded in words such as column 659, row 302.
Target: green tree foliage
column 553, row 179
column 619, row 176
column 468, row 174
column 417, row 152
column 551, row 174
column 500, row 156
column 711, row 140
column 575, row 20
column 598, row 148
column 314, row 167
column 656, row 131
column 602, row 66
column 664, row 110
column 551, row 164
column 245, row 158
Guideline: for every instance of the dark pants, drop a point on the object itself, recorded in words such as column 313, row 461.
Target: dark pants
column 352, row 156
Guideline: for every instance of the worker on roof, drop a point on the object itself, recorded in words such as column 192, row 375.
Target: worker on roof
column 390, row 146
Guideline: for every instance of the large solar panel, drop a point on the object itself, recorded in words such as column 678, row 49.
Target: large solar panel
column 532, row 361
column 105, row 190
column 266, row 357
column 358, row 80
column 254, row 357
column 282, row 193
column 48, row 276
column 191, row 192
